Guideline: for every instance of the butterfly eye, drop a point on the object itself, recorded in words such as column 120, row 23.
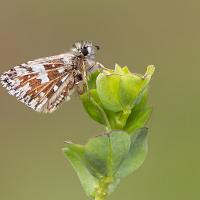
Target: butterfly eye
column 84, row 51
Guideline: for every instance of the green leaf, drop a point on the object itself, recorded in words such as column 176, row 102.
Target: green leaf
column 105, row 153
column 129, row 89
column 93, row 106
column 74, row 154
column 97, row 112
column 137, row 153
column 92, row 79
column 107, row 89
column 105, row 159
column 140, row 113
column 137, row 119
column 142, row 98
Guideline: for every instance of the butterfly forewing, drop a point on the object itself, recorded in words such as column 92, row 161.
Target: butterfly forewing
column 42, row 84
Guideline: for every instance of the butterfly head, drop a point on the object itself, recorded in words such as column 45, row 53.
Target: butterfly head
column 85, row 49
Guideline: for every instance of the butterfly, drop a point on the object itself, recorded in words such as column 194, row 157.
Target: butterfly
column 45, row 83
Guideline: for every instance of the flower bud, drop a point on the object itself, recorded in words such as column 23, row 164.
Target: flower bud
column 119, row 89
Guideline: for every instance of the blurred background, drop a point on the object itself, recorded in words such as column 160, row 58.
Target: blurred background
column 133, row 33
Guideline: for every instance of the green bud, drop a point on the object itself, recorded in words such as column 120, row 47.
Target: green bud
column 118, row 89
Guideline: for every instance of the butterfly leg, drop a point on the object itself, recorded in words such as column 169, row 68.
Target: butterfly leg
column 96, row 66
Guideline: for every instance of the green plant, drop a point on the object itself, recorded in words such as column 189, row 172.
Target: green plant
column 117, row 99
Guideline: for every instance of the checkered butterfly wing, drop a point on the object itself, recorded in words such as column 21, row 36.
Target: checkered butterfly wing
column 42, row 84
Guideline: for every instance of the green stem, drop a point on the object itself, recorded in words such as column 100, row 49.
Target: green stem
column 100, row 197
column 123, row 118
column 102, row 190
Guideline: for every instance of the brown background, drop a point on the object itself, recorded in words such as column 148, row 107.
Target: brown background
column 133, row 33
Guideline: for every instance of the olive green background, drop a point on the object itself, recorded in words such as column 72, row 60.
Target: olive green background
column 133, row 33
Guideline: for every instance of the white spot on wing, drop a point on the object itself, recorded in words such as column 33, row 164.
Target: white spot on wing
column 61, row 70
column 42, row 94
column 44, row 78
column 64, row 78
column 38, row 68
column 20, row 71
column 55, row 88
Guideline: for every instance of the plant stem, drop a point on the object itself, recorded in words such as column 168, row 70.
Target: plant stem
column 121, row 122
column 100, row 197
column 102, row 190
